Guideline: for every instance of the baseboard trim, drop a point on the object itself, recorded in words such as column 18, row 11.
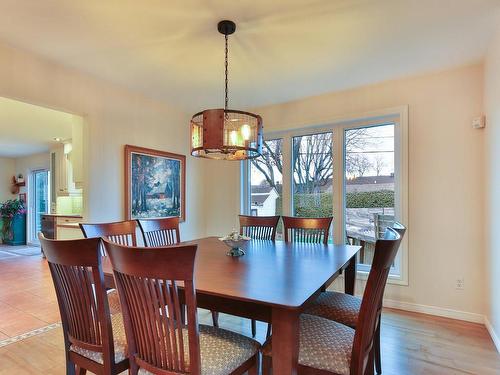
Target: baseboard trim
column 493, row 334
column 437, row 311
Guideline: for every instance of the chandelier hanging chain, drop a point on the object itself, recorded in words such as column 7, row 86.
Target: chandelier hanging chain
column 226, row 102
column 223, row 133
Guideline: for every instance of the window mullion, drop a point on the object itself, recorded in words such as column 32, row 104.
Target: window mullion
column 287, row 176
column 338, row 186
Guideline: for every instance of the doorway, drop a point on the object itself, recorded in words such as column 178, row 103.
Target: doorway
column 39, row 197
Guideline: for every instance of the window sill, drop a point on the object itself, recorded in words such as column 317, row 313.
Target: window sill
column 393, row 279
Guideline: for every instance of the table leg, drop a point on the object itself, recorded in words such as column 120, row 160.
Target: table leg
column 285, row 341
column 350, row 276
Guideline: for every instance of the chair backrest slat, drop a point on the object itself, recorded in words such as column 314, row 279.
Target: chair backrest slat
column 75, row 266
column 121, row 232
column 311, row 230
column 259, row 227
column 160, row 232
column 148, row 282
column 386, row 249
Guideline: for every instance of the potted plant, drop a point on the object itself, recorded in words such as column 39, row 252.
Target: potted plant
column 13, row 215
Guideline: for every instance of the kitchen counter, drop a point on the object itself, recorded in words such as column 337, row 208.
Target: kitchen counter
column 76, row 216
column 61, row 226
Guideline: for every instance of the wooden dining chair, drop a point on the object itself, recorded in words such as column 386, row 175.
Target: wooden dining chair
column 160, row 232
column 152, row 284
column 165, row 232
column 259, row 228
column 93, row 340
column 305, row 229
column 330, row 347
column 345, row 308
column 122, row 232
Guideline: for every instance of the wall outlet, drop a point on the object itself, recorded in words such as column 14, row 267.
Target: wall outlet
column 460, row 284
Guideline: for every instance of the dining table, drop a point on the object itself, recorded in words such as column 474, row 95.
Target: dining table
column 273, row 282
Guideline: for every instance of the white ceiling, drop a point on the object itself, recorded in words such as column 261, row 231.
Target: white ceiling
column 27, row 129
column 282, row 50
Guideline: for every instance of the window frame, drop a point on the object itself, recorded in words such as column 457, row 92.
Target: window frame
column 396, row 115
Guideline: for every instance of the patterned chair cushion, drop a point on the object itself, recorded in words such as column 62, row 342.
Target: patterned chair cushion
column 221, row 351
column 341, row 307
column 114, row 302
column 324, row 345
column 118, row 338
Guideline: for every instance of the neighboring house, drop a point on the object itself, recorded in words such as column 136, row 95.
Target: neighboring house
column 362, row 184
column 370, row 183
column 263, row 201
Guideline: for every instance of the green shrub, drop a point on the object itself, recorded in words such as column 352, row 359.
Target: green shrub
column 314, row 205
column 370, row 199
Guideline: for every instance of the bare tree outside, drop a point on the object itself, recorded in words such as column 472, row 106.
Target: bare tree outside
column 379, row 164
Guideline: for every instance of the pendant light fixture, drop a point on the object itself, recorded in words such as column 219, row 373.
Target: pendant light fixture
column 226, row 134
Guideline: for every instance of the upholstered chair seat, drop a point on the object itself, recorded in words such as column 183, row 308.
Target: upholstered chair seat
column 119, row 340
column 324, row 345
column 341, row 307
column 221, row 351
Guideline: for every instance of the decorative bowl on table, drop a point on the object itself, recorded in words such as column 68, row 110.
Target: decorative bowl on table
column 235, row 240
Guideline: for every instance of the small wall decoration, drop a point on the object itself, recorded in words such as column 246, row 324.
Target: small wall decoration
column 155, row 183
column 22, row 197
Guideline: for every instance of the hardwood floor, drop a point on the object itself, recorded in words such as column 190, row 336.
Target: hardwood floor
column 411, row 343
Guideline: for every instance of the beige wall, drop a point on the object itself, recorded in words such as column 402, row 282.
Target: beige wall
column 27, row 164
column 7, row 170
column 445, row 179
column 492, row 161
column 114, row 117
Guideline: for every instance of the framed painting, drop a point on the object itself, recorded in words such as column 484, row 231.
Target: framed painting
column 155, row 184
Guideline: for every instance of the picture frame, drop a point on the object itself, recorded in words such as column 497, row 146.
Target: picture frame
column 155, row 184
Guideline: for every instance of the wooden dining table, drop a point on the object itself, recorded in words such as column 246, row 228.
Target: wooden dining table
column 273, row 282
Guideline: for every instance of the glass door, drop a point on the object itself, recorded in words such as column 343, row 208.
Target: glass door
column 39, row 194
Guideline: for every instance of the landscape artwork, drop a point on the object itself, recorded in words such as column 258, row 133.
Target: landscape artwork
column 155, row 183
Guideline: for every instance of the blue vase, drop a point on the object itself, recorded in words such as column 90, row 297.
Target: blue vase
column 18, row 230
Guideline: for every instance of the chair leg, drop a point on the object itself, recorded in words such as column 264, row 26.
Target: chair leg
column 254, row 370
column 369, row 364
column 215, row 318
column 80, row 370
column 254, row 328
column 266, row 365
column 376, row 349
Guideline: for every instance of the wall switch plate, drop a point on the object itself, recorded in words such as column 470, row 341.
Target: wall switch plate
column 478, row 122
column 460, row 284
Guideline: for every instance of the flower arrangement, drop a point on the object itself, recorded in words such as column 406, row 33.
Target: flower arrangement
column 8, row 210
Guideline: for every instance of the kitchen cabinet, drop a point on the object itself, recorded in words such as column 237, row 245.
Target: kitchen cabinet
column 62, row 172
column 61, row 227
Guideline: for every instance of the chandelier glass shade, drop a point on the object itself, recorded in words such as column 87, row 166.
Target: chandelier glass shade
column 226, row 134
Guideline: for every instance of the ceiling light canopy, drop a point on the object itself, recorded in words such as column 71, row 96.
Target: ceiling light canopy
column 226, row 134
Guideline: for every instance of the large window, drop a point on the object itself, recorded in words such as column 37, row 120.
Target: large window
column 266, row 181
column 353, row 170
column 312, row 161
column 369, row 179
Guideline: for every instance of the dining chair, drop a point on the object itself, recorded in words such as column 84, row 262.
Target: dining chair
column 345, row 308
column 93, row 340
column 165, row 232
column 305, row 229
column 158, row 342
column 160, row 232
column 122, row 232
column 259, row 228
column 330, row 347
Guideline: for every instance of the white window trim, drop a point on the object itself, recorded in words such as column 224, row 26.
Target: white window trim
column 395, row 114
